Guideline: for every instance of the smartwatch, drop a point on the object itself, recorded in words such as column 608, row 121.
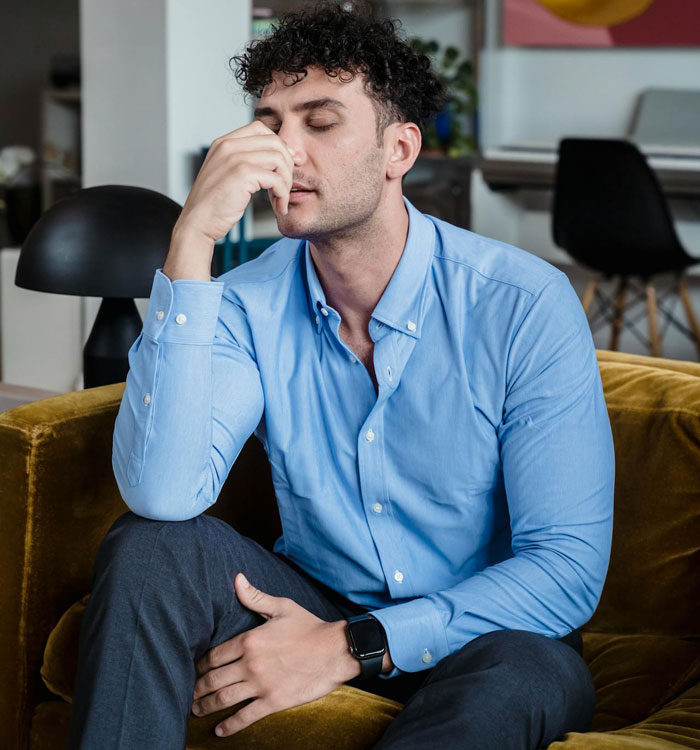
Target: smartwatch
column 367, row 643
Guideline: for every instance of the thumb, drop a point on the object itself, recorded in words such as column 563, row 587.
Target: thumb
column 252, row 598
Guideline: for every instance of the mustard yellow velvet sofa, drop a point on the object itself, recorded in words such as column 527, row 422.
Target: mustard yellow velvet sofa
column 58, row 498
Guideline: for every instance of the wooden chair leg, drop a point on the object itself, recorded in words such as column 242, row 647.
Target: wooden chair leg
column 617, row 318
column 689, row 312
column 588, row 295
column 654, row 340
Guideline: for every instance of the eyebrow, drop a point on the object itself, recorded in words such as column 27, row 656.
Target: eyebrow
column 325, row 103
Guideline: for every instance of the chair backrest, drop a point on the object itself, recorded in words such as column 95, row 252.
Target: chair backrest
column 609, row 212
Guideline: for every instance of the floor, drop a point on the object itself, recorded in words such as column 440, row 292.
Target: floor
column 674, row 344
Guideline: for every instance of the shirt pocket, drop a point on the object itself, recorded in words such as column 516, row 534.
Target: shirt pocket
column 145, row 356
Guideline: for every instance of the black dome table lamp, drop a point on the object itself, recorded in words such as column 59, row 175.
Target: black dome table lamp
column 104, row 241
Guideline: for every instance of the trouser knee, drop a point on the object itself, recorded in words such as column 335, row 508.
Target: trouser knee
column 137, row 547
column 539, row 672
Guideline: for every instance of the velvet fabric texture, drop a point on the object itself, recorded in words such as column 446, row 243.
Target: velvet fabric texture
column 58, row 497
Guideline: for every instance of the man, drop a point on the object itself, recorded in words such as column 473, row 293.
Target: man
column 432, row 410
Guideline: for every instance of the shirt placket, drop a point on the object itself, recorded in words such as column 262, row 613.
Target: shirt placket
column 372, row 444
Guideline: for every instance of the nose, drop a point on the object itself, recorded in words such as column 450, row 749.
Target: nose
column 292, row 137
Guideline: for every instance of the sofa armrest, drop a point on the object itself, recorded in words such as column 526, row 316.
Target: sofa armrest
column 58, row 497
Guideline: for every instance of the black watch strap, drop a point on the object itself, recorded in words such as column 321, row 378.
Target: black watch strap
column 367, row 642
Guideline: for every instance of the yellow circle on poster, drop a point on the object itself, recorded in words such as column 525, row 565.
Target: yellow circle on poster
column 597, row 12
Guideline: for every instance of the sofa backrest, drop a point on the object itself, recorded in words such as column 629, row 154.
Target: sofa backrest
column 653, row 581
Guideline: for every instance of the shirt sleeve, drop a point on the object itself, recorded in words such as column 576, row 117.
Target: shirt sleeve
column 558, row 469
column 193, row 397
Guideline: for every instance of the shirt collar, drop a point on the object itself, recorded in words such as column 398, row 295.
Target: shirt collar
column 401, row 305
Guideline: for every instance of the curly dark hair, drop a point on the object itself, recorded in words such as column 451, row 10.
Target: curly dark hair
column 400, row 82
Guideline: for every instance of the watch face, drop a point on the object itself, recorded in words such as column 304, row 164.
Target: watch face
column 366, row 638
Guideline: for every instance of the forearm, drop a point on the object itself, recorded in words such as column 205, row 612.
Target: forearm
column 174, row 437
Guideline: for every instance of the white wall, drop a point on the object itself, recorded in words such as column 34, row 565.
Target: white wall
column 157, row 87
column 124, row 63
column 544, row 94
column 448, row 24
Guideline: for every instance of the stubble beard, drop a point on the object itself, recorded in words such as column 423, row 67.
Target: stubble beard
column 346, row 214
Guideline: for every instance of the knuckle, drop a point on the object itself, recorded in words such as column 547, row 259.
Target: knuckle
column 250, row 639
column 255, row 665
column 221, row 698
column 210, row 680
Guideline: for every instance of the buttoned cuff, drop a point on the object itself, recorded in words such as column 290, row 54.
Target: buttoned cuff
column 415, row 634
column 183, row 311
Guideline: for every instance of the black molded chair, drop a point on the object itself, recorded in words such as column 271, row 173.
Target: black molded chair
column 610, row 215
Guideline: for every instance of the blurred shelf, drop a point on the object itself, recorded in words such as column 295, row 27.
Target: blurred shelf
column 60, row 155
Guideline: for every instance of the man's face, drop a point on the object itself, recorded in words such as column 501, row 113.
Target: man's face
column 332, row 127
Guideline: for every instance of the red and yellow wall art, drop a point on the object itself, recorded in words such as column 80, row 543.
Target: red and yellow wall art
column 601, row 23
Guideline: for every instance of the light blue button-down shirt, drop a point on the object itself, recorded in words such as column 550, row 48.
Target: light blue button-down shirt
column 473, row 493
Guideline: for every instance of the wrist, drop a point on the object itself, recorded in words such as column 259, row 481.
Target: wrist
column 346, row 665
column 189, row 256
column 387, row 663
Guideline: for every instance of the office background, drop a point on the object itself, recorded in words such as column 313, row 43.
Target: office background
column 155, row 88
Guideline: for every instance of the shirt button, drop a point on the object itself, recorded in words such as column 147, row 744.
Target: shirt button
column 160, row 315
column 369, row 435
column 324, row 312
column 377, row 507
column 147, row 399
column 180, row 319
column 398, row 576
column 427, row 656
column 317, row 320
column 411, row 325
column 352, row 359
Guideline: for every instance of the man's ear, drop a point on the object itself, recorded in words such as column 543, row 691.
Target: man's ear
column 405, row 144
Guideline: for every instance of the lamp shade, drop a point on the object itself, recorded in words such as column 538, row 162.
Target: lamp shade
column 104, row 241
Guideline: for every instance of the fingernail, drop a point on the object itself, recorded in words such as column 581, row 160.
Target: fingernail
column 244, row 581
column 195, row 709
column 219, row 732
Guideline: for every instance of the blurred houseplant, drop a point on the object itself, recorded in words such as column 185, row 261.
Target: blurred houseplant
column 451, row 133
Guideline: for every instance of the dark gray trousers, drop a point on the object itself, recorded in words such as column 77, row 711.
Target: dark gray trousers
column 163, row 595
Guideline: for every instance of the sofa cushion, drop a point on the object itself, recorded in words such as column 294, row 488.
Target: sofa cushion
column 652, row 586
column 675, row 726
column 637, row 675
column 634, row 676
column 347, row 718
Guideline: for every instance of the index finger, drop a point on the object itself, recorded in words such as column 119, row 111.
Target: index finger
column 253, row 130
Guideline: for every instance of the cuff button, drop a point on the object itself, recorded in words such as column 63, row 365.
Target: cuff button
column 180, row 319
column 427, row 656
column 160, row 314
